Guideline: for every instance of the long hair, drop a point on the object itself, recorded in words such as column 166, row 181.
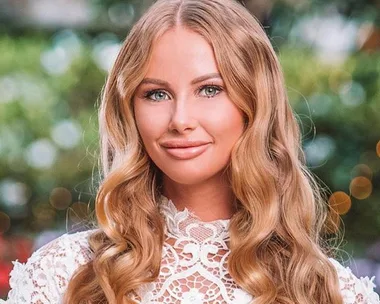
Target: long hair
column 277, row 254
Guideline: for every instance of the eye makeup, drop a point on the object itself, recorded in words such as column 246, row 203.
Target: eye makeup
column 218, row 89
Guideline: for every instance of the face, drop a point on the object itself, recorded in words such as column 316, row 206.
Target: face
column 185, row 118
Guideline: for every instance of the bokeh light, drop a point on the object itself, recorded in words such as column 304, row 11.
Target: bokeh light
column 64, row 13
column 352, row 94
column 122, row 14
column 337, row 77
column 14, row 193
column 371, row 159
column 378, row 148
column 60, row 198
column 9, row 89
column 78, row 212
column 33, row 91
column 320, row 104
column 335, row 38
column 11, row 137
column 55, row 61
column 362, row 170
column 319, row 150
column 105, row 51
column 66, row 47
column 340, row 202
column 41, row 154
column 69, row 41
column 5, row 222
column 66, row 134
column 361, row 187
column 44, row 214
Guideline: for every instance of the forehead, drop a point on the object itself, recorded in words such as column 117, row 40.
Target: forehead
column 179, row 50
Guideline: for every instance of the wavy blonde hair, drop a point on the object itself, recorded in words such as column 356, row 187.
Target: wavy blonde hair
column 277, row 254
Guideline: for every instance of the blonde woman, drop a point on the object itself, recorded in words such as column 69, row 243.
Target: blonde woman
column 205, row 197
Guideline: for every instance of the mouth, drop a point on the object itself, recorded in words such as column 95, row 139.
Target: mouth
column 184, row 153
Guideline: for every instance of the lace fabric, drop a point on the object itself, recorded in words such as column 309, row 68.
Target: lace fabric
column 194, row 262
column 193, row 269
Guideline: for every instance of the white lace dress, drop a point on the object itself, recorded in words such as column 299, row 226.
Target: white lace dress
column 193, row 268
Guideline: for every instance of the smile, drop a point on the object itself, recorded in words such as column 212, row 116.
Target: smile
column 187, row 153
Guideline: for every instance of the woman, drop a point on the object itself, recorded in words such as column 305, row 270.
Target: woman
column 206, row 197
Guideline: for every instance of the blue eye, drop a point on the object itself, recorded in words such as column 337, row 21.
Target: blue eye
column 211, row 90
column 156, row 93
column 159, row 95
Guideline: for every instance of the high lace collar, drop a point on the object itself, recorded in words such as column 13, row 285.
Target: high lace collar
column 185, row 224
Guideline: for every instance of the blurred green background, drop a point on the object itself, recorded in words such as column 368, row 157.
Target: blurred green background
column 54, row 59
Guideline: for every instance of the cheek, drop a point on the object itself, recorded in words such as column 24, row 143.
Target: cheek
column 225, row 122
column 144, row 128
column 149, row 122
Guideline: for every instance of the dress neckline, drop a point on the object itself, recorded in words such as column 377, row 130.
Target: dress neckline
column 185, row 224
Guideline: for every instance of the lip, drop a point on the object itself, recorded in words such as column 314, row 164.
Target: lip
column 183, row 143
column 189, row 152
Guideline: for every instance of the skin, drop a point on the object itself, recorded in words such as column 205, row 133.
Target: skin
column 182, row 110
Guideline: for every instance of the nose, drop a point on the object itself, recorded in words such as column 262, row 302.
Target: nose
column 182, row 119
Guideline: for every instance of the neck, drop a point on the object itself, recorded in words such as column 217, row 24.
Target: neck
column 209, row 200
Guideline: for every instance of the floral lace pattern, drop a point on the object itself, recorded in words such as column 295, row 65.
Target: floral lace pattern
column 193, row 270
column 194, row 262
column 44, row 278
column 354, row 290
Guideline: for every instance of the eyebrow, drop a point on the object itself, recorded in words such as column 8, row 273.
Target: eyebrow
column 194, row 81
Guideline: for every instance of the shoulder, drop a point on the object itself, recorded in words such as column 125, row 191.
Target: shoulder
column 355, row 290
column 44, row 277
column 72, row 248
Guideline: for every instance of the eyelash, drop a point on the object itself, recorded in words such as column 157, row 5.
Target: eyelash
column 151, row 92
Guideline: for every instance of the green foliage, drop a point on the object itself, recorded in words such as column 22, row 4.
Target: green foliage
column 32, row 103
column 320, row 95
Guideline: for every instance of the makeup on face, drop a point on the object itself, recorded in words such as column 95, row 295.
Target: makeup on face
column 186, row 119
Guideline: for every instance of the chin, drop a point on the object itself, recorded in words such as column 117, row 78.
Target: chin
column 186, row 180
column 192, row 176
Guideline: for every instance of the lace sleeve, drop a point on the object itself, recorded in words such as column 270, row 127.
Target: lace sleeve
column 355, row 290
column 44, row 277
